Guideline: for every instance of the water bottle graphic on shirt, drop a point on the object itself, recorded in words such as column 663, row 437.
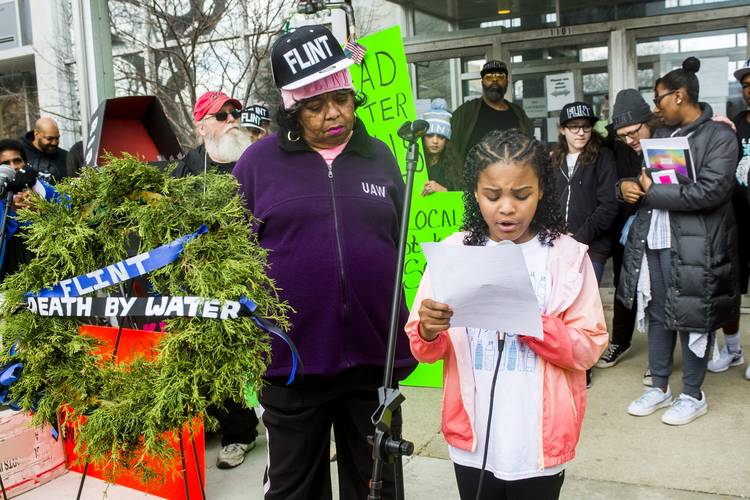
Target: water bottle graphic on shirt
column 530, row 360
column 478, row 353
column 522, row 348
column 541, row 291
column 512, row 355
column 490, row 355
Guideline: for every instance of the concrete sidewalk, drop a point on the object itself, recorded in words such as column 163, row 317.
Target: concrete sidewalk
column 620, row 457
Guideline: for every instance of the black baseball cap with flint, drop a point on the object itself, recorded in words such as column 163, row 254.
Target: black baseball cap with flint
column 306, row 55
column 254, row 116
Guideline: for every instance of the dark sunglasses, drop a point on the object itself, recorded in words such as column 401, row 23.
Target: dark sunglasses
column 222, row 116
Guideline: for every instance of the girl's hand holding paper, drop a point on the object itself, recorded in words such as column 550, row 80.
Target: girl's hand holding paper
column 434, row 317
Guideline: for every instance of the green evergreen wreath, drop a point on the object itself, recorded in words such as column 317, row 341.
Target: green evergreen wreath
column 198, row 362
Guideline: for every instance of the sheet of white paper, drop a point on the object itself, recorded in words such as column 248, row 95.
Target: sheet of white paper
column 487, row 287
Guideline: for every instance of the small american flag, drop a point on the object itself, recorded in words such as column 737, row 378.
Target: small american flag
column 355, row 51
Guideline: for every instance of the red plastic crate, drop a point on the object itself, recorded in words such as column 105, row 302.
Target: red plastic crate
column 172, row 488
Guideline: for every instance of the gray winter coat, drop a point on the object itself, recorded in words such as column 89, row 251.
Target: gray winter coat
column 704, row 288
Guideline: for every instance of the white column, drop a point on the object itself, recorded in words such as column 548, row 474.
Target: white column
column 51, row 42
column 621, row 63
column 93, row 43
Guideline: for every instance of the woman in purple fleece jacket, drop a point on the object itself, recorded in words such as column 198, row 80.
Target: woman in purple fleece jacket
column 328, row 197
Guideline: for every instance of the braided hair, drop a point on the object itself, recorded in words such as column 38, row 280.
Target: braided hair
column 511, row 146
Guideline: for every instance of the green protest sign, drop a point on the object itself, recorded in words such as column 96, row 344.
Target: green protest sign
column 384, row 77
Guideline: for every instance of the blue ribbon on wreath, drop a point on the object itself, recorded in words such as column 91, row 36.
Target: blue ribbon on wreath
column 144, row 263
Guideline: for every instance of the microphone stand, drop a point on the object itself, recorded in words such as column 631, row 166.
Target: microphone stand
column 6, row 210
column 387, row 444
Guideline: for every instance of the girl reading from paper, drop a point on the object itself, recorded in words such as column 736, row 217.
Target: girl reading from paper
column 513, row 405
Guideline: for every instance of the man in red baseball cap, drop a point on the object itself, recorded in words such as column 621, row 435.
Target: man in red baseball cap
column 217, row 121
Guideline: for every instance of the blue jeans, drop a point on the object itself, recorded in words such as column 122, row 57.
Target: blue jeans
column 598, row 270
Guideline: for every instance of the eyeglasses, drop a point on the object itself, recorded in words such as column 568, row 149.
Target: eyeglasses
column 657, row 99
column 495, row 76
column 222, row 116
column 633, row 134
column 577, row 128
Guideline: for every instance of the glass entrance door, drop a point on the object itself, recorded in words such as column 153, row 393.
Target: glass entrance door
column 546, row 78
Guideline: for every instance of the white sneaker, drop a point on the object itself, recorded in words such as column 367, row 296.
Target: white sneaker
column 233, row 455
column 747, row 372
column 651, row 400
column 685, row 409
column 725, row 360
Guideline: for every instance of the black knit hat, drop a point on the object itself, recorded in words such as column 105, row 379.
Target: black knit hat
column 494, row 67
column 630, row 108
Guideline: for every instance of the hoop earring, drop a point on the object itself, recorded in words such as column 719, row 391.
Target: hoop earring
column 293, row 139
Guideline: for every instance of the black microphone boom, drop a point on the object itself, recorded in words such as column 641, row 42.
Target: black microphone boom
column 411, row 131
column 419, row 127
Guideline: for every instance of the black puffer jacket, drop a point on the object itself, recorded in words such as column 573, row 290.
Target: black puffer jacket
column 703, row 293
column 588, row 202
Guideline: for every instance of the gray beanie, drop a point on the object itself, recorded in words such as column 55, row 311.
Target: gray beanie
column 630, row 108
column 439, row 118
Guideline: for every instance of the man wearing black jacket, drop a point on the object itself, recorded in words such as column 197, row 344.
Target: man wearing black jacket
column 217, row 121
column 632, row 120
column 42, row 148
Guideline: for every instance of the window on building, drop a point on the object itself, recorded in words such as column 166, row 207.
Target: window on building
column 720, row 53
column 434, row 80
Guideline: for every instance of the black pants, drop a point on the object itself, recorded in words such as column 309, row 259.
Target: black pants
column 298, row 422
column 535, row 488
column 623, row 319
column 237, row 424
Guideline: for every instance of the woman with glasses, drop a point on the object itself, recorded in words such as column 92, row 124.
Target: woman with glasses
column 586, row 180
column 680, row 264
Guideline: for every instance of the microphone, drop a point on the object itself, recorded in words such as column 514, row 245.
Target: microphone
column 7, row 175
column 24, row 179
column 411, row 131
column 419, row 127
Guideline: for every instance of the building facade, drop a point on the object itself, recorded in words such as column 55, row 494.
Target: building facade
column 35, row 70
column 564, row 50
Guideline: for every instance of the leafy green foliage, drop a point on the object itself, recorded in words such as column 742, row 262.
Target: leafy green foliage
column 131, row 407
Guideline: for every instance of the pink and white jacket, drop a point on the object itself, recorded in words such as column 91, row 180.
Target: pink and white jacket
column 575, row 335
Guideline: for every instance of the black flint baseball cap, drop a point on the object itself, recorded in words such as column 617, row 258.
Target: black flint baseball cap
column 306, row 55
column 574, row 110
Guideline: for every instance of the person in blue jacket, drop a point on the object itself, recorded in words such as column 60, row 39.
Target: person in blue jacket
column 13, row 252
column 328, row 199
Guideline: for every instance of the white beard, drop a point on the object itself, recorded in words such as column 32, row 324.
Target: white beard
column 228, row 147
